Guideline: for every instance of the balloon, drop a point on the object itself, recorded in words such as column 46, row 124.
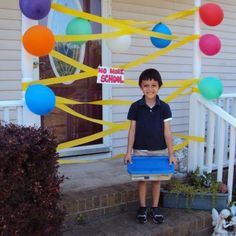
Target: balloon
column 38, row 40
column 211, row 14
column 158, row 42
column 209, row 44
column 119, row 44
column 35, row 9
column 79, row 26
column 210, row 87
column 40, row 99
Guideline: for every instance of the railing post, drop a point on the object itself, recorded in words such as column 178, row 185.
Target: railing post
column 233, row 107
column 231, row 161
column 19, row 115
column 193, row 112
column 210, row 141
column 220, row 150
column 193, row 130
column 6, row 114
column 201, row 132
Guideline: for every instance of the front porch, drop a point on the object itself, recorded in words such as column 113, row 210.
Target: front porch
column 105, row 203
column 100, row 199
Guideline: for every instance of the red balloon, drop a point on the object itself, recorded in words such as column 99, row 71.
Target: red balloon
column 211, row 14
column 209, row 44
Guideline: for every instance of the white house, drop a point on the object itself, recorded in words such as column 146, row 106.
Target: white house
column 180, row 64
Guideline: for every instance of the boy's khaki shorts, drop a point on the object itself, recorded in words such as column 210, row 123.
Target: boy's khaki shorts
column 163, row 152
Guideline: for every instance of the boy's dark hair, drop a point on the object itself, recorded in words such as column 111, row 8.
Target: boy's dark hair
column 150, row 74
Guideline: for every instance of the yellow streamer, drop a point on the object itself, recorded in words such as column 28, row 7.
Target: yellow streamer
column 110, row 22
column 124, row 29
column 93, row 137
column 65, row 108
column 121, row 155
column 118, row 127
column 183, row 83
column 64, row 162
column 174, row 16
column 99, row 102
column 189, row 137
column 158, row 53
column 178, row 92
column 176, row 83
column 58, row 80
column 181, row 14
column 195, row 90
column 179, row 83
column 73, row 62
column 180, row 146
column 72, row 38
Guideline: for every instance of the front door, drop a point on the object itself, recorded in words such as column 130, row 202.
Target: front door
column 65, row 126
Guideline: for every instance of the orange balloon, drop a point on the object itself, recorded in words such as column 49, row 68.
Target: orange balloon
column 38, row 40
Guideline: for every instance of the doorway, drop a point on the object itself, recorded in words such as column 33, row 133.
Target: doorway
column 65, row 126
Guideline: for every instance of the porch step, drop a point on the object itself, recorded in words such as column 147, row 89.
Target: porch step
column 177, row 223
column 111, row 211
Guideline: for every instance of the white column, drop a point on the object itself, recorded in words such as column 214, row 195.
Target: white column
column 27, row 70
column 193, row 110
column 196, row 51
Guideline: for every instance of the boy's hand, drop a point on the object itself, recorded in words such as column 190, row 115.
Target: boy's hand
column 172, row 159
column 127, row 158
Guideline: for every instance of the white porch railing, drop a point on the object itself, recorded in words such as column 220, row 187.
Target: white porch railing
column 11, row 111
column 218, row 126
column 228, row 103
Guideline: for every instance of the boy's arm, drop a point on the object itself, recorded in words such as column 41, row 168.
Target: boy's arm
column 168, row 139
column 131, row 136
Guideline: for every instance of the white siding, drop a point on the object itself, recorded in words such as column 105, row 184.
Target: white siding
column 177, row 64
column 10, row 35
column 174, row 66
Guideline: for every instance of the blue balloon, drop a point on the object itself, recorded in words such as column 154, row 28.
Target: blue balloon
column 40, row 99
column 158, row 42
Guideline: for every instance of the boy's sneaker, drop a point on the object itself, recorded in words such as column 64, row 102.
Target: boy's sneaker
column 142, row 215
column 156, row 216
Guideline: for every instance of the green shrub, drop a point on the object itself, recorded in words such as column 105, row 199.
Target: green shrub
column 29, row 182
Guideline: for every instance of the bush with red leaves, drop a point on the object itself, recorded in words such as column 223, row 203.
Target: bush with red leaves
column 29, row 182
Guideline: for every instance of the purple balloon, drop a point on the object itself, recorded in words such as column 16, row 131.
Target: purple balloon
column 35, row 9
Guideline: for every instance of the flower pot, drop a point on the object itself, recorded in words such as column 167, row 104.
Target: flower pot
column 199, row 201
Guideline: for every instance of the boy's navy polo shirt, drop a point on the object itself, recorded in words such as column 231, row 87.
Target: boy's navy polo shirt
column 149, row 133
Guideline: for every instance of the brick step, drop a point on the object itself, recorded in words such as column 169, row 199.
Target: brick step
column 178, row 222
column 88, row 206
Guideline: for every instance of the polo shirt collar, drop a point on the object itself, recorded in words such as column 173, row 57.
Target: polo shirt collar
column 143, row 103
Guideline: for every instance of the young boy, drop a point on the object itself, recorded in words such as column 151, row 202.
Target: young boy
column 149, row 135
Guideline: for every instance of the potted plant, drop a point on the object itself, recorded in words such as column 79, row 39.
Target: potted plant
column 197, row 191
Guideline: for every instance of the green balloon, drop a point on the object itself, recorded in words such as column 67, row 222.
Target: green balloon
column 79, row 26
column 210, row 87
